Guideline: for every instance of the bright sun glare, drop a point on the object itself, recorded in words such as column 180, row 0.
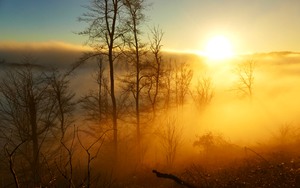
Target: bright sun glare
column 218, row 48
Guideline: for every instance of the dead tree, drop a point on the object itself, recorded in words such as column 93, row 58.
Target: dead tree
column 174, row 178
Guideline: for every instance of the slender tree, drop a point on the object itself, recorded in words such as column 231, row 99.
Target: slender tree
column 95, row 103
column 63, row 99
column 134, row 9
column 183, row 77
column 156, row 66
column 63, row 109
column 105, row 30
column 167, row 84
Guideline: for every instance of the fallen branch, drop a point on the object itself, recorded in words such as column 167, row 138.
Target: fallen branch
column 174, row 178
column 260, row 156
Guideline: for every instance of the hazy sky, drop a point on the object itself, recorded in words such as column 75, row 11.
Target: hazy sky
column 252, row 26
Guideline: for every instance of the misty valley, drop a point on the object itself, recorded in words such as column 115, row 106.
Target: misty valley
column 231, row 123
column 207, row 99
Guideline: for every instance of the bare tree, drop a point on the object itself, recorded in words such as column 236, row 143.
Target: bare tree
column 11, row 155
column 64, row 107
column 167, row 84
column 170, row 137
column 65, row 163
column 175, row 83
column 183, row 77
column 95, row 104
column 245, row 73
column 156, row 67
column 203, row 93
column 26, row 108
column 63, row 99
column 90, row 155
column 34, row 104
column 105, row 31
column 136, row 17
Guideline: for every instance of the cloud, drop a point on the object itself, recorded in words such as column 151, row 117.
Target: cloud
column 46, row 53
column 53, row 45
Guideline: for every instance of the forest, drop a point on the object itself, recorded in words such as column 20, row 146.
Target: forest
column 124, row 112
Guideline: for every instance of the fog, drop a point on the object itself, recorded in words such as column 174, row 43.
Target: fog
column 238, row 119
column 274, row 103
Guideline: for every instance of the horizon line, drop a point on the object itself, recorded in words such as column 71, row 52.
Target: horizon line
column 77, row 47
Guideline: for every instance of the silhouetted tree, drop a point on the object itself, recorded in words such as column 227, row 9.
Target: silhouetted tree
column 245, row 73
column 91, row 155
column 10, row 156
column 35, row 107
column 105, row 30
column 203, row 93
column 170, row 135
column 26, row 109
column 64, row 107
column 63, row 100
column 156, row 67
column 183, row 76
column 95, row 104
column 167, row 84
column 64, row 159
column 175, row 83
column 134, row 10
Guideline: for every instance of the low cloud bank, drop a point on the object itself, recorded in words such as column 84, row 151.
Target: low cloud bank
column 44, row 53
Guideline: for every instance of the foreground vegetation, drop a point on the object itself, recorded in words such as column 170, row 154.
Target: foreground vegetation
column 274, row 165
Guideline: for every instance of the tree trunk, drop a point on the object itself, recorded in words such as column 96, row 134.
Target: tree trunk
column 34, row 137
column 111, row 72
column 113, row 100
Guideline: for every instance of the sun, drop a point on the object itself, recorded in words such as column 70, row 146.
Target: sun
column 218, row 48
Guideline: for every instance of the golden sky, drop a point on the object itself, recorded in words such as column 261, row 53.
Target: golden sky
column 251, row 26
